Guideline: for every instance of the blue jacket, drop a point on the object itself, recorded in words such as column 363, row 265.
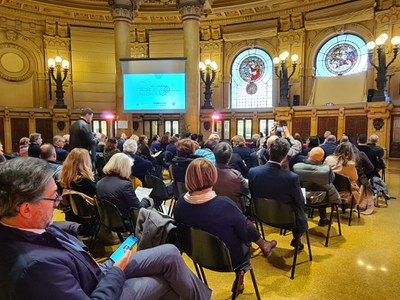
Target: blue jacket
column 44, row 266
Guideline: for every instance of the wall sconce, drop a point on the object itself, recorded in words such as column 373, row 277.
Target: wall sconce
column 208, row 71
column 59, row 64
column 381, row 77
column 283, row 76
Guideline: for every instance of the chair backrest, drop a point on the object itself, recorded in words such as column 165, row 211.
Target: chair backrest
column 179, row 189
column 133, row 216
column 81, row 204
column 239, row 201
column 274, row 213
column 110, row 216
column 341, row 183
column 159, row 192
column 168, row 156
column 203, row 248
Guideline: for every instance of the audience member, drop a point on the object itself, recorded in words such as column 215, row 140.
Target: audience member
column 35, row 140
column 207, row 151
column 171, row 147
column 59, row 143
column 313, row 171
column 141, row 166
column 200, row 140
column 215, row 137
column 313, row 141
column 239, row 147
column 102, row 143
column 116, row 187
column 2, row 158
column 155, row 144
column 329, row 145
column 164, row 142
column 40, row 261
column 121, row 141
column 273, row 182
column 144, row 149
column 254, row 141
column 224, row 219
column 379, row 152
column 66, row 138
column 363, row 147
column 23, row 146
column 229, row 181
column 185, row 149
column 110, row 148
column 48, row 153
column 81, row 135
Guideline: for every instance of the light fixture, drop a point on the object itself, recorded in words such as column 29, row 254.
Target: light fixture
column 208, row 71
column 380, row 94
column 59, row 79
column 283, row 76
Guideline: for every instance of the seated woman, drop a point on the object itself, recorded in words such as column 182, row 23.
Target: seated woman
column 116, row 187
column 202, row 208
column 144, row 149
column 343, row 162
column 77, row 175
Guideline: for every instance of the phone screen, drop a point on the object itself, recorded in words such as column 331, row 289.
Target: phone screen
column 127, row 244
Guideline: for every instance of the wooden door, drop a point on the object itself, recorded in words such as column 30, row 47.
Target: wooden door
column 2, row 131
column 327, row 124
column 303, row 126
column 395, row 137
column 45, row 128
column 356, row 125
column 19, row 129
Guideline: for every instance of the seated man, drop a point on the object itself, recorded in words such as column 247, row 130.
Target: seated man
column 48, row 153
column 40, row 261
column 363, row 147
column 59, row 143
column 329, row 146
column 314, row 172
column 273, row 182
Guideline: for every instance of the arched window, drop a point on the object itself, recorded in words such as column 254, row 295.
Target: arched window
column 342, row 55
column 251, row 85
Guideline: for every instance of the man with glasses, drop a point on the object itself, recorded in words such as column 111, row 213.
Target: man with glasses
column 40, row 261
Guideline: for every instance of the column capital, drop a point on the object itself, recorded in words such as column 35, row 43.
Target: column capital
column 123, row 10
column 190, row 9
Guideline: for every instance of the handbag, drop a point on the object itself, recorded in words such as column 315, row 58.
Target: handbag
column 316, row 198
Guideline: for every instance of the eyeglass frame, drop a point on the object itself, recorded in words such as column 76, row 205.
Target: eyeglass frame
column 58, row 198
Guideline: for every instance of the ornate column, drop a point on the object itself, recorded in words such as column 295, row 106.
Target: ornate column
column 122, row 12
column 191, row 12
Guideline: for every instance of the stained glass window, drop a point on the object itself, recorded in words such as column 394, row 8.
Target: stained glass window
column 342, row 55
column 251, row 85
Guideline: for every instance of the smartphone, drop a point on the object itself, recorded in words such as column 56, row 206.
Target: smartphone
column 127, row 244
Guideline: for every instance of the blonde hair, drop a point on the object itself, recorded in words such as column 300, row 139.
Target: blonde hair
column 238, row 140
column 76, row 166
column 200, row 175
column 120, row 164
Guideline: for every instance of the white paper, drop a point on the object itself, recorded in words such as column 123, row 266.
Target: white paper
column 142, row 192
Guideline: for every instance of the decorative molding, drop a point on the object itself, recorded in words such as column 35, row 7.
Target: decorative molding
column 26, row 70
column 56, row 42
column 190, row 9
column 123, row 10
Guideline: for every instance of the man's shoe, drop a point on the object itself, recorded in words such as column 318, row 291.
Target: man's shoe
column 267, row 248
column 293, row 244
column 323, row 222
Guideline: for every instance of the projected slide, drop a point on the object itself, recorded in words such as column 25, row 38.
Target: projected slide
column 152, row 92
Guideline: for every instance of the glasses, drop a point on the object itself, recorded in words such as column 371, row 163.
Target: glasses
column 56, row 199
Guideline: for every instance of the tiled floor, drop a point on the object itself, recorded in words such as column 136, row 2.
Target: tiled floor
column 363, row 263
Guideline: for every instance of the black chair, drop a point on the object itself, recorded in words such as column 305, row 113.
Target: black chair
column 83, row 207
column 343, row 184
column 159, row 193
column 133, row 216
column 311, row 186
column 278, row 215
column 179, row 188
column 167, row 162
column 111, row 218
column 239, row 200
column 208, row 251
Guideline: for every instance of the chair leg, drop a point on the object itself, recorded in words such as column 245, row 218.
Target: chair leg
column 329, row 226
column 262, row 230
column 338, row 219
column 121, row 238
column 309, row 245
column 198, row 271
column 203, row 275
column 93, row 238
column 296, row 249
column 171, row 206
column 358, row 210
column 351, row 210
column 253, row 278
column 236, row 284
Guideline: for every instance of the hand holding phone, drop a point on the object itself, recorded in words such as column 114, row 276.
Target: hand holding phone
column 126, row 245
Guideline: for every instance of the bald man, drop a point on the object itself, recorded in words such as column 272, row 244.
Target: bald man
column 313, row 171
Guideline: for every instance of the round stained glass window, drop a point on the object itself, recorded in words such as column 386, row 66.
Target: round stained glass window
column 342, row 55
column 341, row 58
column 252, row 68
